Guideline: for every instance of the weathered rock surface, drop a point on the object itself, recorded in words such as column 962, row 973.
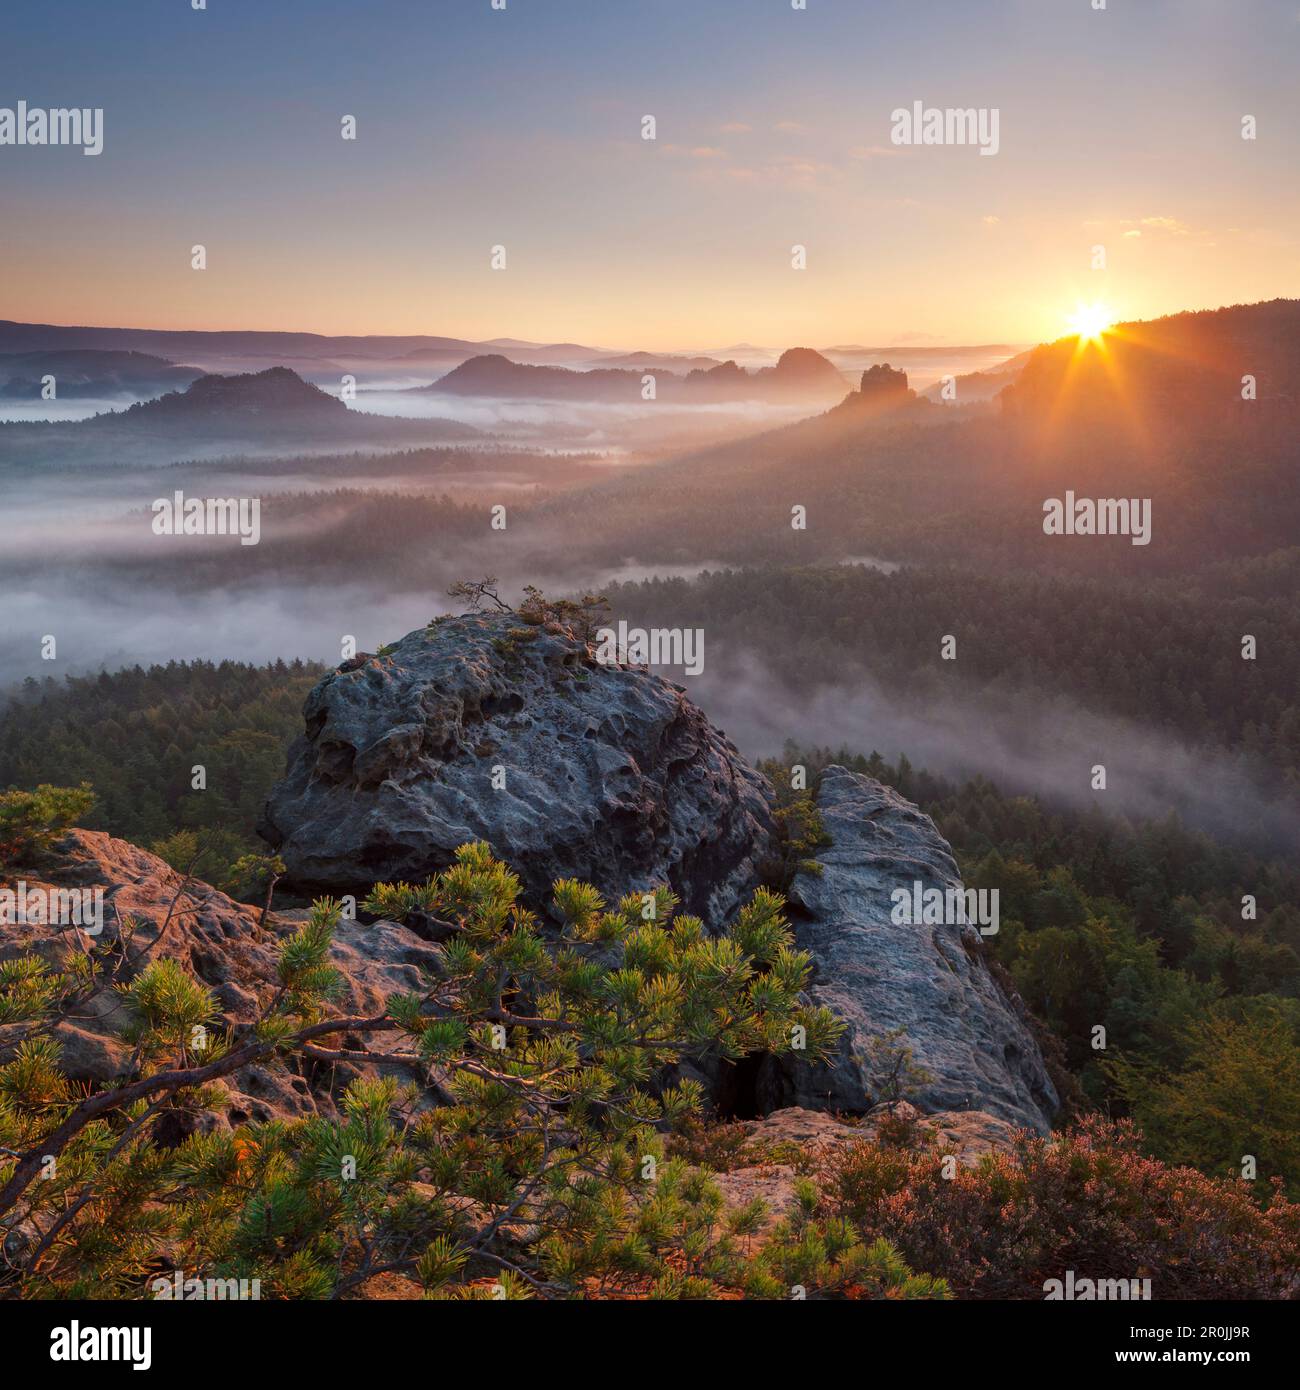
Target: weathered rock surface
column 968, row 1133
column 222, row 944
column 930, row 981
column 610, row 773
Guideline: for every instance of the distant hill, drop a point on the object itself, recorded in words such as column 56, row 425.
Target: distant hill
column 270, row 410
column 317, row 353
column 271, row 395
column 1157, row 415
column 915, row 350
column 1176, row 371
column 660, row 361
column 495, row 375
column 974, row 387
column 189, row 344
column 800, row 374
column 90, row 372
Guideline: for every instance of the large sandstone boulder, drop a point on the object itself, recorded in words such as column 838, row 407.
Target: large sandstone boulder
column 931, row 981
column 481, row 728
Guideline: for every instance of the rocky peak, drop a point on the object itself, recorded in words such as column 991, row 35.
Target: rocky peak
column 485, row 727
column 884, row 383
column 882, row 391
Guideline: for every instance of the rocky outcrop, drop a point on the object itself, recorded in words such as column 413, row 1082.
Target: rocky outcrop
column 882, row 390
column 969, row 1134
column 885, row 385
column 928, row 981
column 150, row 912
column 485, row 728
column 488, row 728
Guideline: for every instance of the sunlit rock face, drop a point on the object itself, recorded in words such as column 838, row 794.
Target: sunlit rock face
column 154, row 913
column 485, row 728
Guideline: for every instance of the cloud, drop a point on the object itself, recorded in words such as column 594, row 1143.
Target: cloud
column 1167, row 224
column 876, row 152
column 790, row 127
column 787, row 171
column 736, row 128
column 990, row 220
column 1134, row 227
column 1157, row 225
column 695, row 151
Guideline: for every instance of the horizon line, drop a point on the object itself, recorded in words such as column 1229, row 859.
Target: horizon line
column 499, row 339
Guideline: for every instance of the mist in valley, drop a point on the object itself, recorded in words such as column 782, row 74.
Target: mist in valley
column 1025, row 745
column 83, row 565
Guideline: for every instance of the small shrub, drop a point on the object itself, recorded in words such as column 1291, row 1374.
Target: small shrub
column 1087, row 1200
column 30, row 821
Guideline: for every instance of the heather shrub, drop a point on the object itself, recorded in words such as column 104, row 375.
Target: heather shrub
column 1088, row 1200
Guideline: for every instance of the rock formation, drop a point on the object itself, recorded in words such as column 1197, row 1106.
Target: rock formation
column 883, row 391
column 610, row 775
column 223, row 945
column 483, row 728
column 929, row 980
column 480, row 728
column 884, row 384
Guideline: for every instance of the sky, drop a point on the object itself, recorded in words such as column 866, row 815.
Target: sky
column 521, row 127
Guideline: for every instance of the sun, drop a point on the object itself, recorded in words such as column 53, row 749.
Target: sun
column 1090, row 322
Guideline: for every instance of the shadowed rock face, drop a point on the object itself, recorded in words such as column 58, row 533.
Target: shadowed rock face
column 610, row 774
column 930, row 980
